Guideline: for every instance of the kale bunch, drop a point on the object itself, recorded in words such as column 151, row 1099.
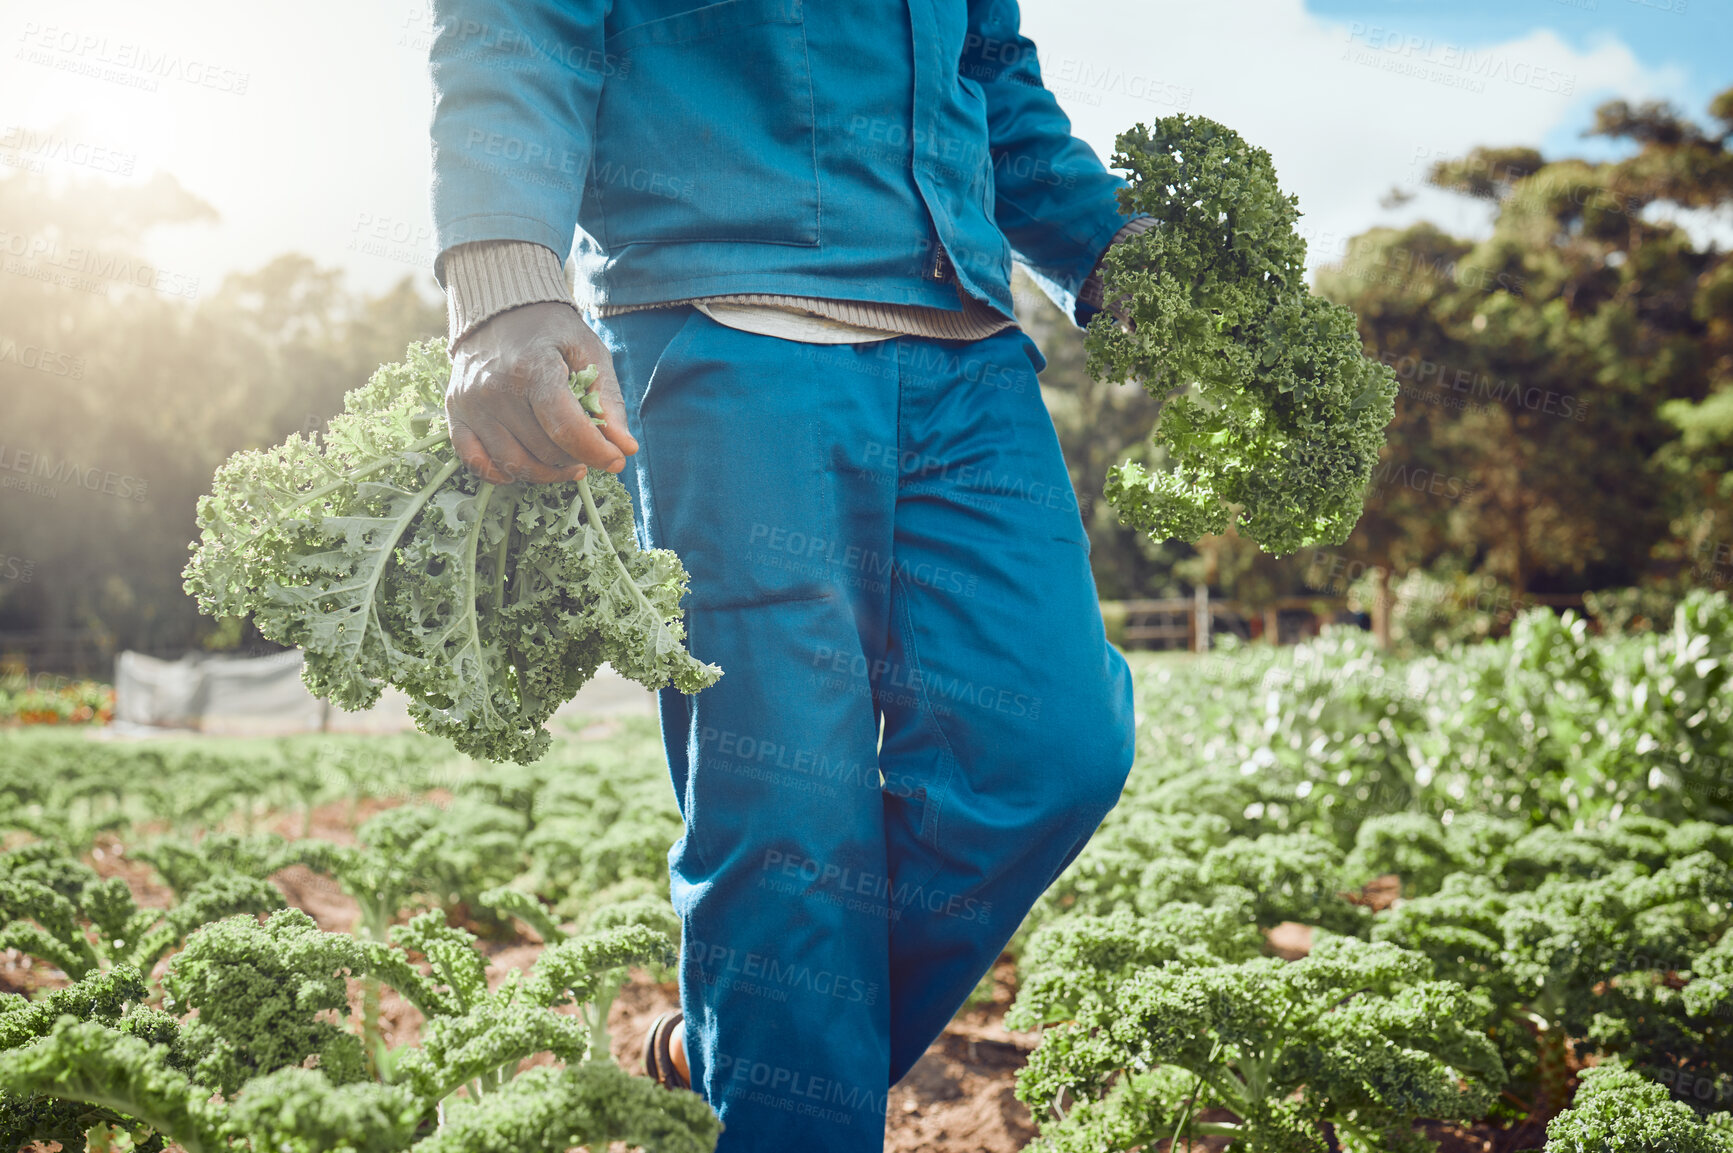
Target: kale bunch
column 1273, row 417
column 387, row 562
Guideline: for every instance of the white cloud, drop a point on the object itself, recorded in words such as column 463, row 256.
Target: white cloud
column 1347, row 110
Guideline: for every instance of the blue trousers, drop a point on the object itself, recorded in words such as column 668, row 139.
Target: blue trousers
column 920, row 720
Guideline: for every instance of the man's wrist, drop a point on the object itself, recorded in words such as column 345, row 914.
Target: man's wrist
column 1092, row 293
column 487, row 277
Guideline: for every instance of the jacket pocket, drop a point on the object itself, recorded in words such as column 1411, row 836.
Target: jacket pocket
column 706, row 131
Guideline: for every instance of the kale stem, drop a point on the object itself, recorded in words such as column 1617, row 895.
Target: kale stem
column 500, row 556
column 365, row 471
column 483, row 496
column 595, row 519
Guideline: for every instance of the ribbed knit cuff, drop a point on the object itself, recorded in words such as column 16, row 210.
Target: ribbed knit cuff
column 1091, row 292
column 485, row 278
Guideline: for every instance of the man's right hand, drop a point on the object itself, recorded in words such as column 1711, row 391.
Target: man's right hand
column 513, row 415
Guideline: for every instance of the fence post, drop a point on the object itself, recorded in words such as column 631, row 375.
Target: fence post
column 1200, row 619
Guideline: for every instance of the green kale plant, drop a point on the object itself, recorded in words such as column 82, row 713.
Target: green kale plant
column 59, row 910
column 1357, row 1036
column 387, row 562
column 1274, row 417
column 255, row 1056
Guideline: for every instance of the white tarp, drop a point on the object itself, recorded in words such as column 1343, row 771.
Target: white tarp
column 264, row 696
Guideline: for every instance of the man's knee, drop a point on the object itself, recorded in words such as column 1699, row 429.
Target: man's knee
column 1101, row 762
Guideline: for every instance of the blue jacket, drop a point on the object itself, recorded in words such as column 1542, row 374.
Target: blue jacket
column 848, row 149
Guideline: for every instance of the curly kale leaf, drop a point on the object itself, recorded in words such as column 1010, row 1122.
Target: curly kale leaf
column 37, row 920
column 260, row 991
column 1617, row 1111
column 102, row 996
column 550, row 1110
column 89, row 1063
column 1277, row 417
column 1358, row 1035
column 388, row 563
column 209, row 900
column 301, row 1111
column 185, row 864
column 30, row 1113
column 1075, row 958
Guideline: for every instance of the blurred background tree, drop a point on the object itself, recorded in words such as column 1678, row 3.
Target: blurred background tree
column 156, row 385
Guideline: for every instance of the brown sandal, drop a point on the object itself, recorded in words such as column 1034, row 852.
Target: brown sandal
column 658, row 1056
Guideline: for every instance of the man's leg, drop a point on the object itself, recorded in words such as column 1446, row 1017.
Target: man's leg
column 1009, row 724
column 780, row 875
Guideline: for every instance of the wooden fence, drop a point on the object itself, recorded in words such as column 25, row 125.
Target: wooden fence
column 1187, row 623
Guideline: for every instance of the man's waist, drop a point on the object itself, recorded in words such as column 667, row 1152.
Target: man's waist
column 825, row 321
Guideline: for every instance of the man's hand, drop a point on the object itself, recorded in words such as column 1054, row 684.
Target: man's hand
column 513, row 415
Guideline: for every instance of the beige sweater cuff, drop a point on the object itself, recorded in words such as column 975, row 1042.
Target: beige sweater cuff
column 485, row 278
column 1092, row 291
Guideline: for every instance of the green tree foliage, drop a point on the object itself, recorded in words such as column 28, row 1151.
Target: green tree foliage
column 1567, row 375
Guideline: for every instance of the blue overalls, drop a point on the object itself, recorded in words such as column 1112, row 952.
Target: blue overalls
column 920, row 720
column 875, row 532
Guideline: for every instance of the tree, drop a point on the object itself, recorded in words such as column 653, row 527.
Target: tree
column 125, row 384
column 1564, row 419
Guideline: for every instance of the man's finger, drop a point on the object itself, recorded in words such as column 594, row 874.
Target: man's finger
column 520, row 421
column 614, row 412
column 471, row 453
column 511, row 460
column 566, row 423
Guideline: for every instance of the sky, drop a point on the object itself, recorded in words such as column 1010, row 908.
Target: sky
column 306, row 127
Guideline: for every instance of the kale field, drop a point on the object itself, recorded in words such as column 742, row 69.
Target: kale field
column 1347, row 902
